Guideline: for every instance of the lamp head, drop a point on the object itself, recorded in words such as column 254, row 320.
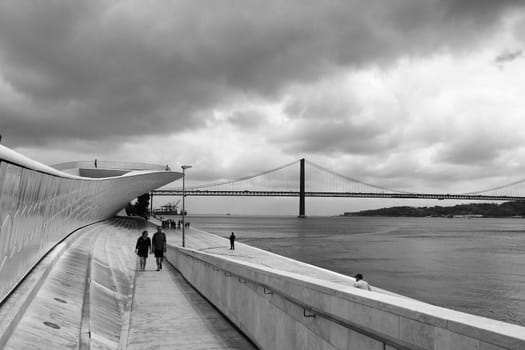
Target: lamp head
column 184, row 167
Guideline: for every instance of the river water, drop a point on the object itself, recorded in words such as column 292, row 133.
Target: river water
column 471, row 265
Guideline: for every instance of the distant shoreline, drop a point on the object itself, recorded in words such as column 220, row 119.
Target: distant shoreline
column 514, row 209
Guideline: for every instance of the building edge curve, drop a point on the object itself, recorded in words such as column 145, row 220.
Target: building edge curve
column 40, row 206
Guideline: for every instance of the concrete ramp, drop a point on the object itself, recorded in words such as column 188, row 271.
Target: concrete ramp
column 92, row 297
column 167, row 313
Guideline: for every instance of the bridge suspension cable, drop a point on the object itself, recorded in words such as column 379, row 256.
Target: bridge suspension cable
column 288, row 181
column 285, row 180
column 319, row 181
column 340, row 183
column 516, row 188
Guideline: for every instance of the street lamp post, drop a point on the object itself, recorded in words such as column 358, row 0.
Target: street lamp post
column 184, row 167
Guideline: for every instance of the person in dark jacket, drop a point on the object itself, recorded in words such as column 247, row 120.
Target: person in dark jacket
column 159, row 246
column 142, row 249
column 232, row 241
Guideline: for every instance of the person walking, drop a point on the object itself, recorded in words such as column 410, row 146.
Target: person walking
column 142, row 248
column 159, row 247
column 361, row 283
column 232, row 241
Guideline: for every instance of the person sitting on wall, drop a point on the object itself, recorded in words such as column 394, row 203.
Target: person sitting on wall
column 361, row 283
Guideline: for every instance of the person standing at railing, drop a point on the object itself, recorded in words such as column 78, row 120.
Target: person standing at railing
column 142, row 248
column 232, row 241
column 361, row 283
column 159, row 246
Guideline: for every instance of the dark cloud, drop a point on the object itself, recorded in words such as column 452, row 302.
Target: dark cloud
column 478, row 146
column 101, row 69
column 329, row 137
column 330, row 122
column 246, row 119
column 477, row 10
column 507, row 56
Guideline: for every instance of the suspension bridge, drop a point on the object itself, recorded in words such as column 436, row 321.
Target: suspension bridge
column 307, row 179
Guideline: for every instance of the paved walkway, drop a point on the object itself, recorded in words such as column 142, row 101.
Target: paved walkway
column 220, row 246
column 168, row 313
column 54, row 317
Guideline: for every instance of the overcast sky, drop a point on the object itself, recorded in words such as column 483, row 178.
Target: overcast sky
column 418, row 95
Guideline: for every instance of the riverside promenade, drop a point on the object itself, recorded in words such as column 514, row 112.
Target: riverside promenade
column 167, row 313
column 281, row 303
column 91, row 295
column 220, row 246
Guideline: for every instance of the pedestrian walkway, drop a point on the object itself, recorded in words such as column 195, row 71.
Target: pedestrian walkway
column 168, row 313
column 79, row 303
column 89, row 300
column 220, row 246
column 217, row 245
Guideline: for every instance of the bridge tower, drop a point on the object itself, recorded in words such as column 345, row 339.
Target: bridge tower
column 301, row 189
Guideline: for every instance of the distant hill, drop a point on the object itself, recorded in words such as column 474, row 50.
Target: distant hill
column 506, row 209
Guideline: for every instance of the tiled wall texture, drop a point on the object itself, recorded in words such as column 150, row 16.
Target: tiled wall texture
column 39, row 208
column 284, row 311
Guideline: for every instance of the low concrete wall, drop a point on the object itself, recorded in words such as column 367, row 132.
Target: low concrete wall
column 279, row 310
